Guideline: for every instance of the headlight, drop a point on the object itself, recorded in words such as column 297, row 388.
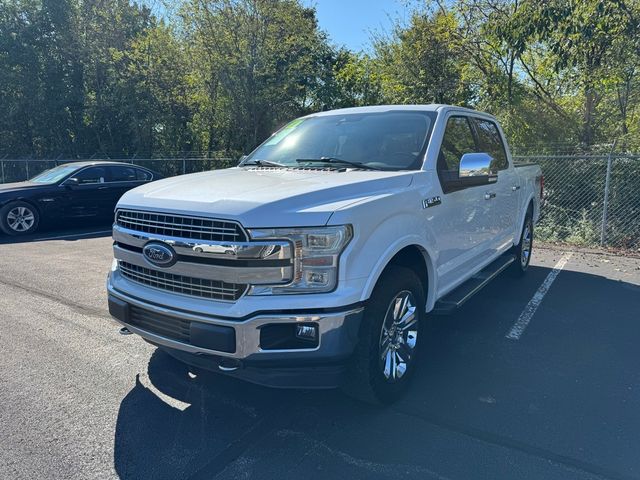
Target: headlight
column 317, row 251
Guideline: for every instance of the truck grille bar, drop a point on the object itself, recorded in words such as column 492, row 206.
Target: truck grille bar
column 197, row 287
column 197, row 228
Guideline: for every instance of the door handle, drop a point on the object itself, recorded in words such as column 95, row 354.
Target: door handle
column 102, row 188
column 515, row 187
column 489, row 195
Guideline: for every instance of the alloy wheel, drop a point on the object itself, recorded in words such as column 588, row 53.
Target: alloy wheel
column 398, row 337
column 20, row 219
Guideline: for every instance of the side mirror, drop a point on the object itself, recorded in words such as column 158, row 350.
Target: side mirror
column 71, row 182
column 475, row 169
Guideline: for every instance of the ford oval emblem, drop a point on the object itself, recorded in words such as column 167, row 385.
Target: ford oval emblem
column 159, row 254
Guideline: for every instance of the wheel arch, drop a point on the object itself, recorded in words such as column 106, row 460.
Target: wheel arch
column 531, row 205
column 21, row 199
column 409, row 254
column 5, row 207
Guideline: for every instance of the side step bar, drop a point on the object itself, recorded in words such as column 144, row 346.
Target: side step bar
column 457, row 297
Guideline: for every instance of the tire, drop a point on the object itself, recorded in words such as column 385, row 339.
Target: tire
column 371, row 375
column 524, row 249
column 19, row 218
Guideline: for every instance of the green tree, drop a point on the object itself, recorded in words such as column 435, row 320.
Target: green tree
column 263, row 59
column 578, row 40
column 422, row 63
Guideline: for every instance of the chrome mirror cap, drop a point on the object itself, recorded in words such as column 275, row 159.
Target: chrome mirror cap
column 475, row 165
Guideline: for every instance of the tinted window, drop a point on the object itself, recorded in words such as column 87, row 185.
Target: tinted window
column 143, row 175
column 123, row 174
column 91, row 175
column 490, row 142
column 458, row 139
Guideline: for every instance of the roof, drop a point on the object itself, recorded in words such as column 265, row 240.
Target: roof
column 87, row 163
column 433, row 107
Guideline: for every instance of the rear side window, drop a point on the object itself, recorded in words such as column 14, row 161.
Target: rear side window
column 143, row 175
column 458, row 139
column 490, row 142
column 123, row 174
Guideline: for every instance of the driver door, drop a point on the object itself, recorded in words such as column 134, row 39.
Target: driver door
column 462, row 222
column 89, row 197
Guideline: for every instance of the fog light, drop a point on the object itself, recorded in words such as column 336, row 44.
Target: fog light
column 307, row 332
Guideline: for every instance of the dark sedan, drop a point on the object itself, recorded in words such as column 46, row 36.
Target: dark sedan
column 71, row 191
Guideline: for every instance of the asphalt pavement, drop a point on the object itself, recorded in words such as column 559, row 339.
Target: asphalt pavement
column 78, row 400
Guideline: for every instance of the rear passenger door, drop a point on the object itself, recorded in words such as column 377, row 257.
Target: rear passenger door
column 462, row 222
column 504, row 205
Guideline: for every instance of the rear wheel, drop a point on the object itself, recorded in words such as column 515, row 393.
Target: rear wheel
column 385, row 358
column 19, row 218
column 524, row 249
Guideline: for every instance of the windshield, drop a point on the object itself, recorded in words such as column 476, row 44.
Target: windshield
column 55, row 174
column 387, row 141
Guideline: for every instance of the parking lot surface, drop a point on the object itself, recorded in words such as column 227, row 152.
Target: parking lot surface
column 562, row 401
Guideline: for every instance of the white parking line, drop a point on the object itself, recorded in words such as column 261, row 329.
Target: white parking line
column 525, row 317
column 61, row 237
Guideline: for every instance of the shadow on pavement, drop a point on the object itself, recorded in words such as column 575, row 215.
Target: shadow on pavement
column 69, row 231
column 221, row 415
column 557, row 404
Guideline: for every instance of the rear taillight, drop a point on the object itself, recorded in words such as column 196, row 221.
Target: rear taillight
column 541, row 186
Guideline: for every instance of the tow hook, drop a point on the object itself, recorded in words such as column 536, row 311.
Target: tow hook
column 125, row 331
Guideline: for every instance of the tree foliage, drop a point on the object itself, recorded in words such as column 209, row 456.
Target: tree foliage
column 84, row 76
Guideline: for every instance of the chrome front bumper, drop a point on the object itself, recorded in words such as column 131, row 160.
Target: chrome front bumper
column 338, row 331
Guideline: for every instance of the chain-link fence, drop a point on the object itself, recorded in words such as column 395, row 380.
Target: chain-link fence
column 590, row 199
column 20, row 169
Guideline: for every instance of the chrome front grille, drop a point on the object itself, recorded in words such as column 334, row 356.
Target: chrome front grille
column 197, row 287
column 197, row 228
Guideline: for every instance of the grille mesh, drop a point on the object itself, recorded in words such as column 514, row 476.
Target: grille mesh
column 198, row 287
column 181, row 226
column 170, row 327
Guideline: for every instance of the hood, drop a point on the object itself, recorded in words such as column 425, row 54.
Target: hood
column 12, row 187
column 263, row 197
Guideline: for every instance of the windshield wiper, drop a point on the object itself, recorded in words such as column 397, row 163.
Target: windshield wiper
column 336, row 161
column 265, row 163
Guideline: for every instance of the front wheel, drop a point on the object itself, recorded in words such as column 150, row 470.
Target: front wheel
column 19, row 218
column 386, row 355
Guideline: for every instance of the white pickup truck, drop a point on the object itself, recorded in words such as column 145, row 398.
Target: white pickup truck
column 317, row 260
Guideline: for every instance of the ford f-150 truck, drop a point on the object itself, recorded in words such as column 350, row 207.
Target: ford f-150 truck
column 319, row 259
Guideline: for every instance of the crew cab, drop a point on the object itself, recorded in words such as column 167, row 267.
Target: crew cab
column 319, row 259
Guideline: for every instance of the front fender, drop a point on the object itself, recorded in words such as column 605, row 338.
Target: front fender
column 379, row 239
